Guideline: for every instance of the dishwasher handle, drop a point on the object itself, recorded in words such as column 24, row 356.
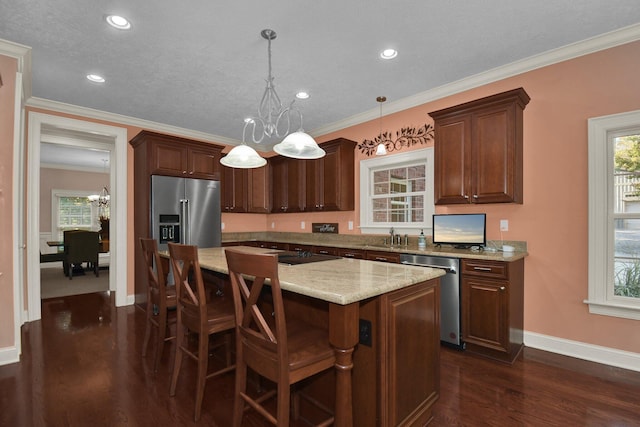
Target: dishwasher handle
column 441, row 267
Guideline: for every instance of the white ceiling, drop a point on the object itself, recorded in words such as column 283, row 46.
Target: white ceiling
column 201, row 65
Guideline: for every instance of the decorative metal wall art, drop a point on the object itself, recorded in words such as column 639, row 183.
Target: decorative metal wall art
column 405, row 137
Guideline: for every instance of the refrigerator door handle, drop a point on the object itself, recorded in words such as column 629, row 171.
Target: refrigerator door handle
column 184, row 221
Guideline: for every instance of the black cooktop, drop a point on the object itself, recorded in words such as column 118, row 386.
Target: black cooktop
column 302, row 257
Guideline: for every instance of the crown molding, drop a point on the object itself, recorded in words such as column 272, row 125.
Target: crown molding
column 72, row 168
column 23, row 54
column 91, row 113
column 604, row 41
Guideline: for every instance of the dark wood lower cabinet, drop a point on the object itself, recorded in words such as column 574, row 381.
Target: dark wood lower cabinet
column 383, row 256
column 352, row 253
column 492, row 308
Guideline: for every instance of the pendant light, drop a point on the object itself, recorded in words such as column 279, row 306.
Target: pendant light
column 272, row 120
column 299, row 145
column 243, row 157
column 381, row 150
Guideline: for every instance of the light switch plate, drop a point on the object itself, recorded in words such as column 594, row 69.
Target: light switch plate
column 350, row 225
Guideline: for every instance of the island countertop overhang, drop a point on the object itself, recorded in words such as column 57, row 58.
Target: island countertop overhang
column 340, row 281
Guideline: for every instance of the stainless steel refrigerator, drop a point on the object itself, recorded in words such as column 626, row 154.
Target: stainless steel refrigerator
column 185, row 210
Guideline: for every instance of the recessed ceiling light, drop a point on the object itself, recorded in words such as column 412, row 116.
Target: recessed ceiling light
column 302, row 95
column 118, row 22
column 95, row 78
column 388, row 54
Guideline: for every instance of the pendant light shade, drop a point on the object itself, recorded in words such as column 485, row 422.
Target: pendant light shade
column 382, row 149
column 243, row 157
column 299, row 145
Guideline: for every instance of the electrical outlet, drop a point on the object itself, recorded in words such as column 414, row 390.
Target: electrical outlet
column 273, row 225
column 302, row 225
column 350, row 225
column 365, row 332
column 504, row 225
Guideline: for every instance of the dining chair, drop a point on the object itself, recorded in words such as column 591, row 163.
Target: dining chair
column 81, row 246
column 196, row 314
column 161, row 300
column 284, row 353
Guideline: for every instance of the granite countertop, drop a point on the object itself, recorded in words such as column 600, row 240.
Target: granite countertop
column 340, row 281
column 448, row 251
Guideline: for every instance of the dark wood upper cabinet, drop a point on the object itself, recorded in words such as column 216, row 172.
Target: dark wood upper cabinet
column 287, row 184
column 234, row 189
column 330, row 179
column 245, row 190
column 258, row 197
column 174, row 156
column 478, row 150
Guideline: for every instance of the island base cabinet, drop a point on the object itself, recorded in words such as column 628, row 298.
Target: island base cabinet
column 395, row 379
column 400, row 371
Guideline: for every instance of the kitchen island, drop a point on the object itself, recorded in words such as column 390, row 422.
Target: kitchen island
column 392, row 377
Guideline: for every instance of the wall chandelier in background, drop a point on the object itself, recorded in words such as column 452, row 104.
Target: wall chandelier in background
column 272, row 120
column 102, row 200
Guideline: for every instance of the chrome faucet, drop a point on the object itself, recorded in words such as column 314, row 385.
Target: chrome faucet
column 392, row 235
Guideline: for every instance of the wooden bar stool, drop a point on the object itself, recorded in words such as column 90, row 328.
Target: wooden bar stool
column 160, row 300
column 198, row 315
column 265, row 343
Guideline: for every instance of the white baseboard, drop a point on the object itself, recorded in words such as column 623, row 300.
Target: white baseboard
column 580, row 350
column 9, row 355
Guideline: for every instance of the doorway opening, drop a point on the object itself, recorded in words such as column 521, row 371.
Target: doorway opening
column 57, row 130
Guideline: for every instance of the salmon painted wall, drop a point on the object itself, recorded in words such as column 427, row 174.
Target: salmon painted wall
column 8, row 68
column 553, row 218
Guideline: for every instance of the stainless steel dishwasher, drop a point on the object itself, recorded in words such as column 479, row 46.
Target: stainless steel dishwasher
column 450, row 330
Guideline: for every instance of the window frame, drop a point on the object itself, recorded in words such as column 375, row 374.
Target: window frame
column 56, row 231
column 405, row 159
column 601, row 134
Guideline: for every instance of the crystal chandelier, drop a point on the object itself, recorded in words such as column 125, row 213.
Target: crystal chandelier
column 272, row 120
column 101, row 200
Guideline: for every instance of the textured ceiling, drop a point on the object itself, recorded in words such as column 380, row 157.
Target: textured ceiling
column 201, row 65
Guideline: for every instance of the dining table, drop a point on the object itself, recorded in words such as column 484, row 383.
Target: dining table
column 344, row 284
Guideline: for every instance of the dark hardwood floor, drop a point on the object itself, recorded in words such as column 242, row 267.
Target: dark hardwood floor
column 82, row 366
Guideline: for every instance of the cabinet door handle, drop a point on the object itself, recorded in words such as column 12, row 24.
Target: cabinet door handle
column 381, row 259
column 502, row 288
column 475, row 196
column 466, row 197
column 482, row 268
column 184, row 172
column 349, row 255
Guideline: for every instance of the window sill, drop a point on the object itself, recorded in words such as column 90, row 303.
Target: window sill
column 614, row 310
